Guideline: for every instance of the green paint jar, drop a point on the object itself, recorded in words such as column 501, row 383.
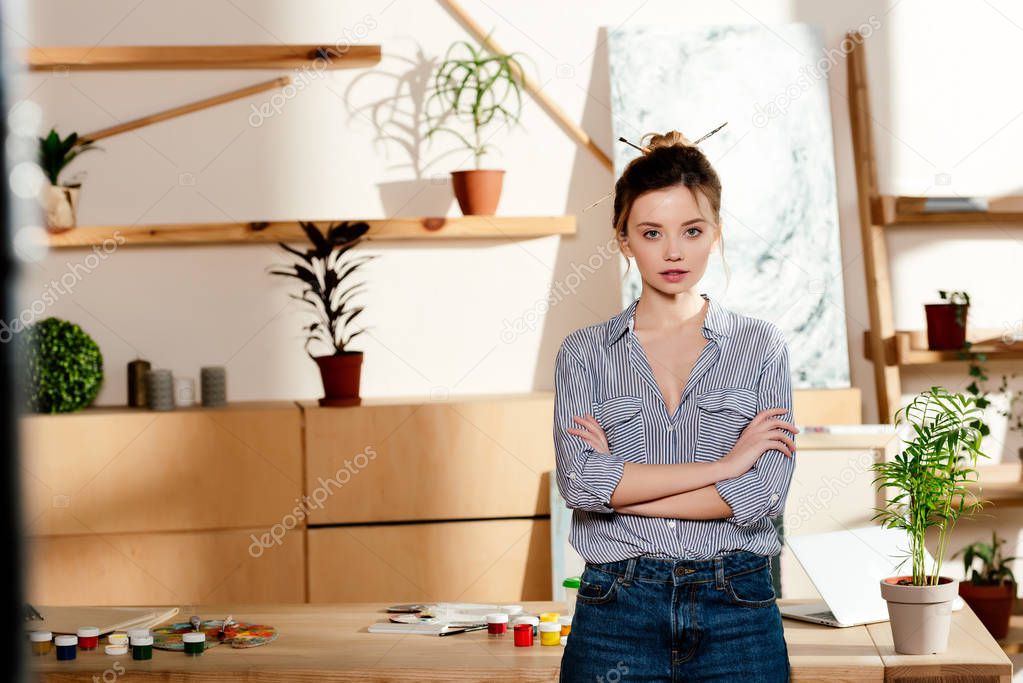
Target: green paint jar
column 195, row 643
column 142, row 647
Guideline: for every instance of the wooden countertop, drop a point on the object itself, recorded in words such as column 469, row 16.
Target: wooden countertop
column 323, row 643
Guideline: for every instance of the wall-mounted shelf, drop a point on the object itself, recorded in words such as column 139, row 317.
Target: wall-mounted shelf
column 909, row 347
column 889, row 211
column 463, row 227
column 148, row 57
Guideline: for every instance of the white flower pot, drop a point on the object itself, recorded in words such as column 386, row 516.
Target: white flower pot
column 920, row 616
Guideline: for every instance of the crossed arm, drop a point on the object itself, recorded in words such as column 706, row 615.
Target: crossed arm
column 598, row 481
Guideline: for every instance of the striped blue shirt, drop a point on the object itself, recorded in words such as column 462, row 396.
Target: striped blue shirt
column 601, row 370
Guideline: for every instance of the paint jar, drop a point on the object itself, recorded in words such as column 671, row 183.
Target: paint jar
column 566, row 624
column 67, row 647
column 550, row 633
column 571, row 586
column 116, row 650
column 497, row 624
column 142, row 647
column 512, row 610
column 523, row 635
column 195, row 642
column 42, row 642
column 534, row 622
column 88, row 638
column 119, row 638
column 136, row 633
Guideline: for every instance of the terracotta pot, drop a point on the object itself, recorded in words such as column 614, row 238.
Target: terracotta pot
column 60, row 205
column 993, row 604
column 943, row 332
column 478, row 191
column 920, row 616
column 341, row 376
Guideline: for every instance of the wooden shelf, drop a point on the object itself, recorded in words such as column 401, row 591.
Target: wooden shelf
column 148, row 57
column 889, row 210
column 463, row 227
column 909, row 347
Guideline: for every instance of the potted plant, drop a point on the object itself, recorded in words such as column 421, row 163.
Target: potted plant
column 483, row 90
column 62, row 366
column 946, row 322
column 990, row 592
column 60, row 202
column 323, row 270
column 929, row 477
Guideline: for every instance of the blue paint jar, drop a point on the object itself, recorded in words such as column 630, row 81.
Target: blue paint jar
column 67, row 647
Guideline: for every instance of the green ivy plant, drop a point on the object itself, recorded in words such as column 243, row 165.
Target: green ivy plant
column 994, row 568
column 322, row 269
column 931, row 474
column 63, row 366
column 479, row 87
column 56, row 153
column 958, row 299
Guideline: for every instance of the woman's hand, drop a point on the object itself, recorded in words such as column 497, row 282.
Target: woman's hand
column 764, row 433
column 591, row 433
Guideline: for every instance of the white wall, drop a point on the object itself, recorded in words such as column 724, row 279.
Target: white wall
column 436, row 311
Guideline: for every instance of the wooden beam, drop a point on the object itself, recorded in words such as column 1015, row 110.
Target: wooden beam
column 889, row 210
column 147, row 57
column 508, row 227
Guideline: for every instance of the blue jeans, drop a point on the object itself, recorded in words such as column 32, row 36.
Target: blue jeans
column 659, row 619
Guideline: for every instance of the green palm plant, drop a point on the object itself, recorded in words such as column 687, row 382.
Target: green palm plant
column 322, row 270
column 932, row 473
column 477, row 86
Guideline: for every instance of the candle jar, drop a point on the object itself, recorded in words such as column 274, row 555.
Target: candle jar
column 195, row 642
column 88, row 638
column 67, row 647
column 497, row 624
column 142, row 647
column 42, row 642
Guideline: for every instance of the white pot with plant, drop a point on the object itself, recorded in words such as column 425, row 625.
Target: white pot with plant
column 930, row 479
column 60, row 201
column 481, row 89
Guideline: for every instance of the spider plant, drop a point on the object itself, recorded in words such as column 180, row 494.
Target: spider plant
column 932, row 473
column 56, row 153
column 479, row 87
column 323, row 270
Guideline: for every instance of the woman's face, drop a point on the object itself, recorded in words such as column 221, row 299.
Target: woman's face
column 669, row 238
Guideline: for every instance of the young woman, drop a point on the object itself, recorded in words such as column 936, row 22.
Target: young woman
column 675, row 448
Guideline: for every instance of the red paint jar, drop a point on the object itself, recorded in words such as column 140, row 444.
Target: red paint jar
column 88, row 638
column 497, row 624
column 523, row 635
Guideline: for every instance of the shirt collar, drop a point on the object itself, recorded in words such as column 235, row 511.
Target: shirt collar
column 718, row 322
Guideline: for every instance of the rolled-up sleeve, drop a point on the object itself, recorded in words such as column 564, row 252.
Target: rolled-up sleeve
column 586, row 478
column 761, row 491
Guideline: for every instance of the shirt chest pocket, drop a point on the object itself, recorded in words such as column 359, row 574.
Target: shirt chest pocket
column 722, row 415
column 621, row 418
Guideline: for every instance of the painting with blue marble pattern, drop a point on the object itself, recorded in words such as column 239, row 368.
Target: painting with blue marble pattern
column 775, row 158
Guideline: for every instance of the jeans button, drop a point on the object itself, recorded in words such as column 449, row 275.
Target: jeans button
column 680, row 571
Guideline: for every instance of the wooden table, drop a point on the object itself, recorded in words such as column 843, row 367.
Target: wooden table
column 323, row 643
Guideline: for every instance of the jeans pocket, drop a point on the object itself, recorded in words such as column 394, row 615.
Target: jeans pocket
column 597, row 587
column 752, row 588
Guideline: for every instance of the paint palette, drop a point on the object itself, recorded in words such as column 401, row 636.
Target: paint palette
column 237, row 635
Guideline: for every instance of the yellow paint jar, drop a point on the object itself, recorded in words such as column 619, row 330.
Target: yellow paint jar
column 549, row 616
column 550, row 633
column 42, row 642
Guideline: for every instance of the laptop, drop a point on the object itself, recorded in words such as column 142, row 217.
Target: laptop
column 846, row 567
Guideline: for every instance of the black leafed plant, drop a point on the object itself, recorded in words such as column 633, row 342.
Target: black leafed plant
column 55, row 154
column 63, row 366
column 323, row 270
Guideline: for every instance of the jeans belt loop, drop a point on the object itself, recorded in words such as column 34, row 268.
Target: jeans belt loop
column 719, row 572
column 630, row 571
